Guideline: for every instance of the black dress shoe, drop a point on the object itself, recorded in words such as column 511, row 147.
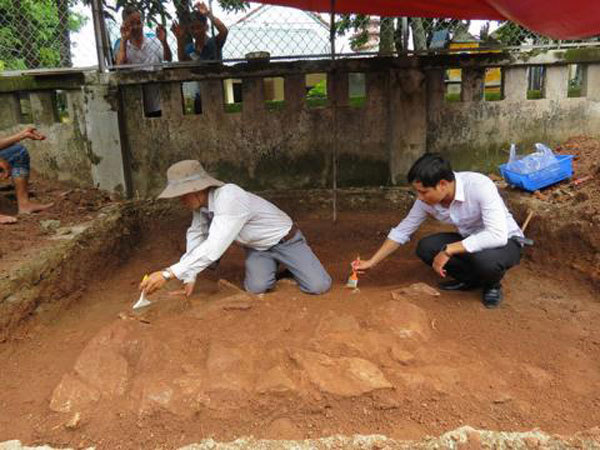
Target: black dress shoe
column 455, row 285
column 492, row 296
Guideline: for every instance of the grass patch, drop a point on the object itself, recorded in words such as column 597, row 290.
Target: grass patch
column 493, row 96
column 316, row 102
column 274, row 105
column 232, row 108
column 452, row 97
column 575, row 91
column 357, row 102
column 534, row 94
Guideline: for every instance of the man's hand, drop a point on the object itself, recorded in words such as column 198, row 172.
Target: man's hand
column 125, row 32
column 202, row 8
column 439, row 262
column 153, row 283
column 32, row 133
column 5, row 166
column 178, row 30
column 161, row 33
column 361, row 266
column 187, row 290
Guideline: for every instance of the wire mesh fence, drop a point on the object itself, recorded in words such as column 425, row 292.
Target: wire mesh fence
column 60, row 33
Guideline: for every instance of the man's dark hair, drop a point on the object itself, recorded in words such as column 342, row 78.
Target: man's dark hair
column 129, row 10
column 198, row 17
column 430, row 169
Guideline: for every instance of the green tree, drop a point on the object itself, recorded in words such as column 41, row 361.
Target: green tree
column 36, row 33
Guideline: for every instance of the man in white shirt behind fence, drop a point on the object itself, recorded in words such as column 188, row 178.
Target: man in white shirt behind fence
column 224, row 213
column 488, row 241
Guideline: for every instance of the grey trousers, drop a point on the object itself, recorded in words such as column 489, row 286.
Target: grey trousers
column 296, row 255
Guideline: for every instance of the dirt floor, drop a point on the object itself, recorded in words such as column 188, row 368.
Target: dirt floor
column 22, row 240
column 288, row 365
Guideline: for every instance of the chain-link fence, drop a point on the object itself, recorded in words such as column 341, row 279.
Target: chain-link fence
column 60, row 33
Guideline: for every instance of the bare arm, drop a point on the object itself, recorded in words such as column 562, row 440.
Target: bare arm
column 122, row 53
column 161, row 33
column 220, row 26
column 27, row 133
column 180, row 33
column 11, row 140
column 386, row 249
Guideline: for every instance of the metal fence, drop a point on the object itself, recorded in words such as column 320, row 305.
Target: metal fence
column 60, row 33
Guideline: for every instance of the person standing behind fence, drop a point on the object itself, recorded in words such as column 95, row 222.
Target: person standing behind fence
column 14, row 162
column 202, row 48
column 135, row 48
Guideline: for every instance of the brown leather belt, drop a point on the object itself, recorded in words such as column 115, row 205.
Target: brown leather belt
column 290, row 234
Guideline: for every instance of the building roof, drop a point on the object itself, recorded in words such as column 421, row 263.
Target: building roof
column 279, row 31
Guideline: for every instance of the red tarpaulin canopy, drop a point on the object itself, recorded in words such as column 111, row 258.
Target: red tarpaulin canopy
column 558, row 19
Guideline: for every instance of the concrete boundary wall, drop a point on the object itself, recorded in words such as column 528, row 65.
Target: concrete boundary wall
column 109, row 142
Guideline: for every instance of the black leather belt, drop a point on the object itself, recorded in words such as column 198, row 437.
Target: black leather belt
column 290, row 234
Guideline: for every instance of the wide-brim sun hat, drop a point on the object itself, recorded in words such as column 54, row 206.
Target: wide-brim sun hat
column 185, row 177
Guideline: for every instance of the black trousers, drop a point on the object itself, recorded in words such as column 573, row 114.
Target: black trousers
column 486, row 267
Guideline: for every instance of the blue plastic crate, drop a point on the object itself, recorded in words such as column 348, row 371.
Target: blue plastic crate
column 542, row 178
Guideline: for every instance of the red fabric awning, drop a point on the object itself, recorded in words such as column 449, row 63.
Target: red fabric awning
column 558, row 19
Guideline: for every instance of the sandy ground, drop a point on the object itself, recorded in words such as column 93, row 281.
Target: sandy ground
column 289, row 365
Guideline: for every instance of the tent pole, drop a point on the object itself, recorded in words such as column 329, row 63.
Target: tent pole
column 333, row 104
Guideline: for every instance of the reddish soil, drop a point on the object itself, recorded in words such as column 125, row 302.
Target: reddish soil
column 288, row 365
column 581, row 196
column 22, row 240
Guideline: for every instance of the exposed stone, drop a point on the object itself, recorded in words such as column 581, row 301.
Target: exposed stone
column 103, row 368
column 275, row 380
column 74, row 422
column 403, row 319
column 415, row 290
column 228, row 368
column 346, row 377
column 49, row 226
column 72, row 394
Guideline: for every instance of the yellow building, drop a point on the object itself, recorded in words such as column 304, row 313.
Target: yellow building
column 493, row 76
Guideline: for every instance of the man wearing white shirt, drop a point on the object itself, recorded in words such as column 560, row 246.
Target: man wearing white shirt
column 488, row 241
column 224, row 213
column 135, row 48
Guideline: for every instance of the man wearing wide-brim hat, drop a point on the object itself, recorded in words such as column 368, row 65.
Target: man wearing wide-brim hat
column 224, row 213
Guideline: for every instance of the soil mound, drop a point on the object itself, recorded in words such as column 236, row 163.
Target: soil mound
column 214, row 356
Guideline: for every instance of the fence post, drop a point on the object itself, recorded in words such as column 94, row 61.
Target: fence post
column 98, row 19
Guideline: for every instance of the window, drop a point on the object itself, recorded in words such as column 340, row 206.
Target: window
column 232, row 90
column 316, row 90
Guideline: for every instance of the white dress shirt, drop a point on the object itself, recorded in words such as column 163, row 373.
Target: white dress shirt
column 477, row 211
column 238, row 216
column 151, row 52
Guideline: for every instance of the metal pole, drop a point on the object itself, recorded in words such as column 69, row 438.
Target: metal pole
column 212, row 30
column 333, row 109
column 97, row 17
column 405, row 34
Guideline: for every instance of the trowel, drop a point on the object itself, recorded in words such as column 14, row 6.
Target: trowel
column 143, row 301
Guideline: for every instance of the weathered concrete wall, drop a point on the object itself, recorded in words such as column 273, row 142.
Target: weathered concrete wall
column 476, row 134
column 64, row 155
column 109, row 143
column 258, row 148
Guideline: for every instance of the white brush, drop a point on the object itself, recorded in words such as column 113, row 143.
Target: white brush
column 143, row 301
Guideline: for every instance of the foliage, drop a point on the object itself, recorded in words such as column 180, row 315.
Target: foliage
column 358, row 23
column 319, row 90
column 155, row 12
column 513, row 35
column 32, row 31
